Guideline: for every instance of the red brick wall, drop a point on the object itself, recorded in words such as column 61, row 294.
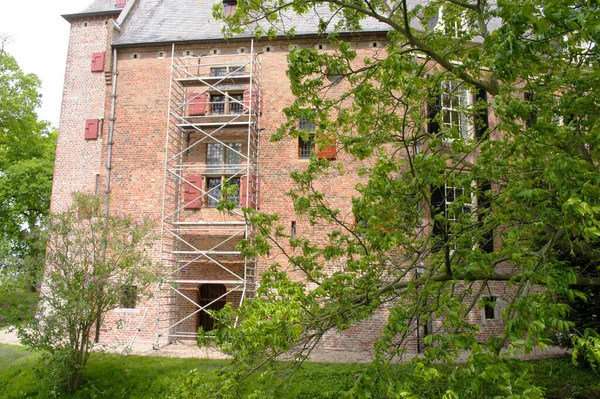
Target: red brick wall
column 138, row 164
column 84, row 96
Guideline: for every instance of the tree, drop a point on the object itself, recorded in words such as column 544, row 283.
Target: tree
column 27, row 148
column 532, row 179
column 94, row 263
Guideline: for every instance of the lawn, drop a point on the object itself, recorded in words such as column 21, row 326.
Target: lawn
column 132, row 377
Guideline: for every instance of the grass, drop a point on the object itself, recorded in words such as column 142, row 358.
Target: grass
column 108, row 376
column 133, row 377
column 563, row 380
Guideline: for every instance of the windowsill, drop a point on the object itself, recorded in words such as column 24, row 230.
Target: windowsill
column 128, row 310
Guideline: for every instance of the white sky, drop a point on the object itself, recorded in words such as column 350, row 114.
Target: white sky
column 39, row 40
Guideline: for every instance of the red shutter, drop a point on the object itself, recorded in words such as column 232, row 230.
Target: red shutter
column 252, row 199
column 246, row 101
column 256, row 104
column 329, row 152
column 192, row 195
column 120, row 3
column 92, row 127
column 197, row 105
column 97, row 62
column 243, row 197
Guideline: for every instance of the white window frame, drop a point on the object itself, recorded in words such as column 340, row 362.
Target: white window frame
column 223, row 170
column 456, row 106
column 455, row 31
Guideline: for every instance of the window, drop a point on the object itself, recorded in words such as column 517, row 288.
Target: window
column 214, row 186
column 222, row 164
column 463, row 113
column 491, row 308
column 237, row 70
column 455, row 98
column 454, row 203
column 229, row 7
column 227, row 104
column 452, row 22
column 129, row 297
column 306, row 146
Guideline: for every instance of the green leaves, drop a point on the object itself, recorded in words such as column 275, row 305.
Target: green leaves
column 26, row 162
column 377, row 237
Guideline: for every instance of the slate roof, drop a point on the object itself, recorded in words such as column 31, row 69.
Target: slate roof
column 152, row 21
column 100, row 6
column 168, row 21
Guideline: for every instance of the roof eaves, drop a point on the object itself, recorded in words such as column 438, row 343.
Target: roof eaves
column 241, row 38
column 71, row 17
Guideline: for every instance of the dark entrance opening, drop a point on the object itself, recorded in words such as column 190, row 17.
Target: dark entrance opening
column 208, row 293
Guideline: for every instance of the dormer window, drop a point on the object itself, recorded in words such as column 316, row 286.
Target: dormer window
column 452, row 24
column 229, row 7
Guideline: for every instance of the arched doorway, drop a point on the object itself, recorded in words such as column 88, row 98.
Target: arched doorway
column 207, row 294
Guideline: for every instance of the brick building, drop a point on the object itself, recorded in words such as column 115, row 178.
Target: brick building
column 163, row 113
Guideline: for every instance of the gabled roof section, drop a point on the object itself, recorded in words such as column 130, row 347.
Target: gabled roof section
column 98, row 7
column 156, row 21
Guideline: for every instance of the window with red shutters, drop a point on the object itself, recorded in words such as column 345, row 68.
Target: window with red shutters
column 192, row 193
column 92, row 127
column 97, row 62
column 120, row 3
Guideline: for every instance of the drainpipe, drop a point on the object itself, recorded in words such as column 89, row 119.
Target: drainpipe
column 111, row 130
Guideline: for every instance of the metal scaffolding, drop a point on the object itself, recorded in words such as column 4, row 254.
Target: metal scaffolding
column 211, row 156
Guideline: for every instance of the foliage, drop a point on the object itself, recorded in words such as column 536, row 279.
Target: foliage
column 92, row 261
column 536, row 61
column 27, row 147
column 17, row 305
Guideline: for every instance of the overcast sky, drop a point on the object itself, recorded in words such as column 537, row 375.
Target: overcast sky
column 39, row 40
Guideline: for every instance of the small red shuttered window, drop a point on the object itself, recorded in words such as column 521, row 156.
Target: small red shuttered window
column 92, row 128
column 192, row 193
column 120, row 3
column 196, row 104
column 329, row 152
column 97, row 62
